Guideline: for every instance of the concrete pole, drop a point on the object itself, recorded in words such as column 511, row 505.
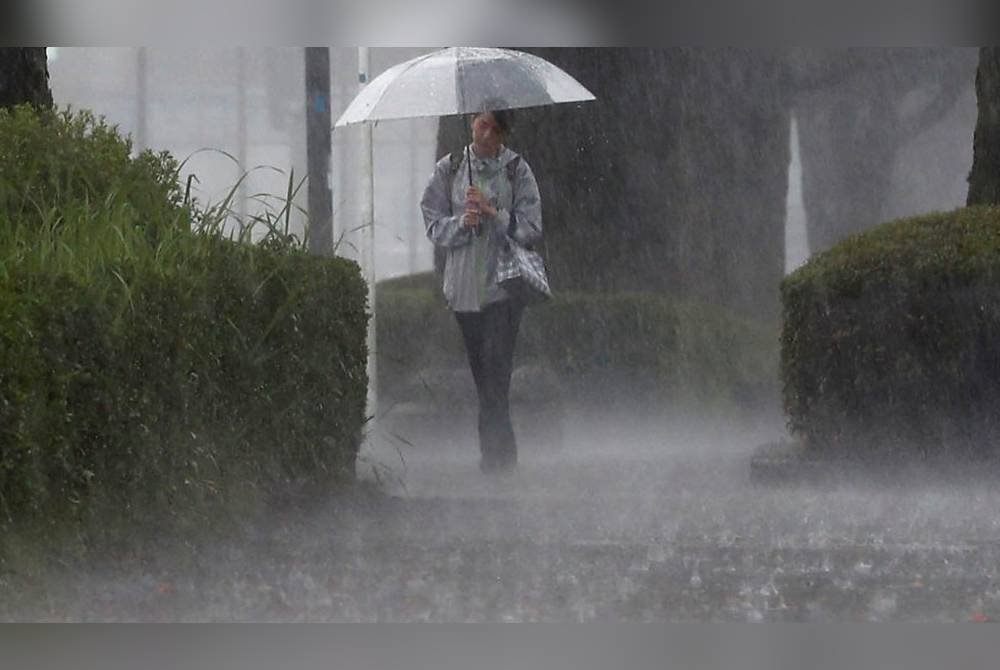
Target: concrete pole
column 414, row 226
column 368, row 231
column 241, row 130
column 318, row 149
column 141, row 102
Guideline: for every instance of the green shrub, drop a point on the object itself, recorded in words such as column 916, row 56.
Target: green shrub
column 154, row 374
column 890, row 339
column 414, row 330
column 58, row 162
column 640, row 350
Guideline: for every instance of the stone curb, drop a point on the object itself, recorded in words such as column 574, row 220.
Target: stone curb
column 785, row 463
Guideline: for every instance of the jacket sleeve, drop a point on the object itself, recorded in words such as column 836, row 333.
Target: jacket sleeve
column 524, row 222
column 444, row 229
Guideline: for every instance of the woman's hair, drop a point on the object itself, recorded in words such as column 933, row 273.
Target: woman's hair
column 504, row 119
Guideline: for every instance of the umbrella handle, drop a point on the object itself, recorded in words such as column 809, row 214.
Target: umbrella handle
column 468, row 163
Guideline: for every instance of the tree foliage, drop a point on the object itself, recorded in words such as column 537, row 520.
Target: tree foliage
column 984, row 181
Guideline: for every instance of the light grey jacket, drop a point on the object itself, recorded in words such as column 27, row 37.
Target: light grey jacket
column 471, row 262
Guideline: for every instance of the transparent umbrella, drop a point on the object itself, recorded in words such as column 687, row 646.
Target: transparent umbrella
column 462, row 80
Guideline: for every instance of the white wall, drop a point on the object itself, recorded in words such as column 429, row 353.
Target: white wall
column 192, row 111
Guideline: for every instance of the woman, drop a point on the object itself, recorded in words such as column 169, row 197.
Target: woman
column 475, row 206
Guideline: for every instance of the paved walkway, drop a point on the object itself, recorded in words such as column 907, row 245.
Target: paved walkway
column 625, row 522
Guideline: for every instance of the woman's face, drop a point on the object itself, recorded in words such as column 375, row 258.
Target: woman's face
column 486, row 134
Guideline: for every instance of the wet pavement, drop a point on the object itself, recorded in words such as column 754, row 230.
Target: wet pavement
column 658, row 524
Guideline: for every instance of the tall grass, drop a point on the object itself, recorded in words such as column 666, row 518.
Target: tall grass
column 74, row 203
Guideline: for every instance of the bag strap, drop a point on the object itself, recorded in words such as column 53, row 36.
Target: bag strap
column 512, row 178
column 512, row 171
column 455, row 161
column 454, row 164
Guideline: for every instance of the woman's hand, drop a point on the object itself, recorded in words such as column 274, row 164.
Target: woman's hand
column 470, row 218
column 475, row 200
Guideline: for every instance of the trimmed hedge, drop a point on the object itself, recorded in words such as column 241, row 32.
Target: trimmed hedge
column 151, row 374
column 250, row 374
column 645, row 351
column 891, row 340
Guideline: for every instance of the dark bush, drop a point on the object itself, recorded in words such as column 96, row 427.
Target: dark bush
column 628, row 349
column 891, row 340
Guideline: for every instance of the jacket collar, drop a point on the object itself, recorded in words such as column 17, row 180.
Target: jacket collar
column 505, row 156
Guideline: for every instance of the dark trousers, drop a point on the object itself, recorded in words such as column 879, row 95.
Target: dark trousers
column 490, row 336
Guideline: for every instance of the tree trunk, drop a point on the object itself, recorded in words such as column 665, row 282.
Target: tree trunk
column 856, row 110
column 24, row 77
column 673, row 181
column 847, row 154
column 984, row 181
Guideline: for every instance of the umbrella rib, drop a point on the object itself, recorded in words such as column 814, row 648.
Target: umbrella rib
column 409, row 66
column 418, row 59
column 459, row 82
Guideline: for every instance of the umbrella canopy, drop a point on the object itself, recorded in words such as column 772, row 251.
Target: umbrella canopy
column 462, row 80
